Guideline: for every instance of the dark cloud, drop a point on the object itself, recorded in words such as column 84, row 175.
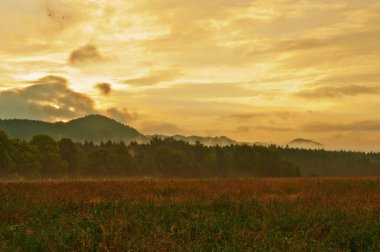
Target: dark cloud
column 154, row 78
column 332, row 92
column 84, row 55
column 47, row 99
column 104, row 88
column 369, row 125
column 121, row 115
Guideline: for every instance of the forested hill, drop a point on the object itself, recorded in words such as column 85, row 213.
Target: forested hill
column 94, row 128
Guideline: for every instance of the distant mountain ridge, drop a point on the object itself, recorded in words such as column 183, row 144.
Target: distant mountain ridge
column 305, row 143
column 96, row 128
column 99, row 128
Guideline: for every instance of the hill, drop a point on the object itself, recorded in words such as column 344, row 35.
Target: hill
column 92, row 127
column 305, row 144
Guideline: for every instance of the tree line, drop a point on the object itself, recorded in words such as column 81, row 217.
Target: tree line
column 43, row 157
column 319, row 162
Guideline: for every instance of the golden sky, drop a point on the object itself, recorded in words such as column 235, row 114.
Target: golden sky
column 252, row 70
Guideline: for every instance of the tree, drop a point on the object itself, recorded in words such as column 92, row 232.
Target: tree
column 6, row 163
column 109, row 161
column 25, row 159
column 52, row 164
column 70, row 155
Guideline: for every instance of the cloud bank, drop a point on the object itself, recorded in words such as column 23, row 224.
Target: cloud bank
column 49, row 98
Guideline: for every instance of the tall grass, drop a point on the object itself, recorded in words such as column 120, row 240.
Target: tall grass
column 199, row 215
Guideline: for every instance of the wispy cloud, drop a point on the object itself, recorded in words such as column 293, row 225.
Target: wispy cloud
column 368, row 125
column 153, row 78
column 334, row 92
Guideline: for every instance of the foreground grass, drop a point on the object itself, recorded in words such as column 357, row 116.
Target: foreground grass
column 201, row 215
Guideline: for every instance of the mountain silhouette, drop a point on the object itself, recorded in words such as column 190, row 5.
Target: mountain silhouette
column 96, row 128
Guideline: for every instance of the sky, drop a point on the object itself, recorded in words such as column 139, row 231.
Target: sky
column 253, row 70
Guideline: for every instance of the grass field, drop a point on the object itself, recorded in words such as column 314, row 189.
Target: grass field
column 303, row 214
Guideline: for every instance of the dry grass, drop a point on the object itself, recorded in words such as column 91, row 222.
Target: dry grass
column 225, row 214
column 342, row 193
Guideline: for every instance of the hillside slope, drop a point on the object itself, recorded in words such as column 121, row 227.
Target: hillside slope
column 92, row 127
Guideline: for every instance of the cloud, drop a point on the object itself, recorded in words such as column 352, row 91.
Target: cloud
column 154, row 78
column 30, row 27
column 247, row 117
column 273, row 128
column 368, row 125
column 364, row 77
column 193, row 33
column 243, row 129
column 205, row 90
column 243, row 117
column 49, row 98
column 301, row 44
column 236, row 58
column 121, row 115
column 103, row 88
column 344, row 48
column 270, row 128
column 333, row 92
column 85, row 55
column 50, row 80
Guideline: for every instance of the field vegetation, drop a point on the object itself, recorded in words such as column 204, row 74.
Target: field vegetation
column 262, row 214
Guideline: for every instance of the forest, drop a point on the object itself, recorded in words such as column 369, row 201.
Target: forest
column 43, row 157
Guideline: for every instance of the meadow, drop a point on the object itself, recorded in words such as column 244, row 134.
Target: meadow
column 260, row 214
